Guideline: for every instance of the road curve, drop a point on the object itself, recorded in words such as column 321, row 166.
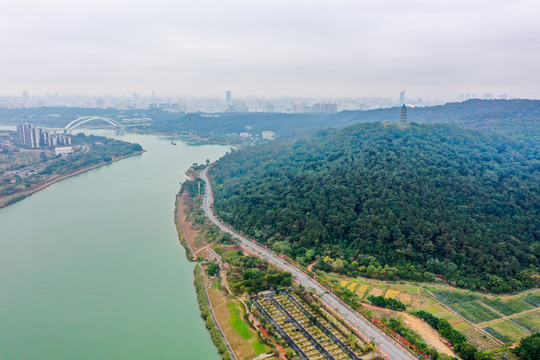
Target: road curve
column 388, row 346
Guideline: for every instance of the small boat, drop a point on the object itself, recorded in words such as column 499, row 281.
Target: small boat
column 173, row 143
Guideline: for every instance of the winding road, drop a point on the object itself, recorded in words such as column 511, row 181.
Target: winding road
column 388, row 346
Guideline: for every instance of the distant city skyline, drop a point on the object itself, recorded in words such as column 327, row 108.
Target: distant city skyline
column 228, row 103
column 304, row 48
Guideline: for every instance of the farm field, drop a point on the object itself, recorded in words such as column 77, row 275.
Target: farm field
column 391, row 294
column 533, row 299
column 473, row 308
column 377, row 291
column 475, row 312
column 530, row 320
column 507, row 307
column 480, row 340
column 449, row 297
column 361, row 290
column 509, row 331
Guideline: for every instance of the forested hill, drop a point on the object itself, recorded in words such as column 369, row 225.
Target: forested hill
column 518, row 119
column 386, row 202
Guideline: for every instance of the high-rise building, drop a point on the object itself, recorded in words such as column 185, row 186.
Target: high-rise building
column 325, row 108
column 403, row 115
column 25, row 98
column 402, row 97
column 228, row 101
column 32, row 137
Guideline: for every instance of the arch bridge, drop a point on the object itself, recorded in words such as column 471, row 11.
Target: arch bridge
column 84, row 119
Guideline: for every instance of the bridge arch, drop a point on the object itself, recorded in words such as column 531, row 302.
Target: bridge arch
column 84, row 119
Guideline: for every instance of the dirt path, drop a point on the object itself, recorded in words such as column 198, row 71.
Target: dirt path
column 429, row 334
column 187, row 228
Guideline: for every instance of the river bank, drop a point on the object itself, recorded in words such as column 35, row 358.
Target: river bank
column 187, row 235
column 233, row 337
column 13, row 198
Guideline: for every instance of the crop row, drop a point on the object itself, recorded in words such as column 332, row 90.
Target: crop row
column 308, row 331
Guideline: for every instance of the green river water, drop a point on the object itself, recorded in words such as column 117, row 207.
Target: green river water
column 91, row 267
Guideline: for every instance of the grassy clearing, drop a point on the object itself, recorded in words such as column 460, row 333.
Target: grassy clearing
column 408, row 288
column 259, row 347
column 474, row 311
column 508, row 307
column 462, row 326
column 236, row 321
column 225, row 253
column 530, row 320
column 216, row 283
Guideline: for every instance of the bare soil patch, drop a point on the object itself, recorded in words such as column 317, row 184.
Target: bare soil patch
column 430, row 335
column 377, row 291
column 191, row 233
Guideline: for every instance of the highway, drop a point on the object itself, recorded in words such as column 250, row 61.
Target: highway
column 388, row 346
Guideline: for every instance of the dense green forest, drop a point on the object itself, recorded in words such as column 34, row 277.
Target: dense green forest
column 388, row 202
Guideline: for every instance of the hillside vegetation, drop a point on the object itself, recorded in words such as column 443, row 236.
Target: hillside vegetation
column 386, row 202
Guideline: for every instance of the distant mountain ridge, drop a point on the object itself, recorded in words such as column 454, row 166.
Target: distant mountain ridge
column 519, row 119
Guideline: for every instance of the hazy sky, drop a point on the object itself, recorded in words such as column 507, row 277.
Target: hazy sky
column 298, row 47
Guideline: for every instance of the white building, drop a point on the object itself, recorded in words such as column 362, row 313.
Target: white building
column 63, row 150
column 269, row 135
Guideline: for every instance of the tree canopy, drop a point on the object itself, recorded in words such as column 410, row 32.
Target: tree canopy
column 392, row 202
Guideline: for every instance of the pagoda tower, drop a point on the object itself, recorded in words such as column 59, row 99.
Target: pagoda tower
column 403, row 116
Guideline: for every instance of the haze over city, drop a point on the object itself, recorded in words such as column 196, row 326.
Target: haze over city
column 278, row 48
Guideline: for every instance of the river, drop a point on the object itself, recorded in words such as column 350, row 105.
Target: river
column 91, row 267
